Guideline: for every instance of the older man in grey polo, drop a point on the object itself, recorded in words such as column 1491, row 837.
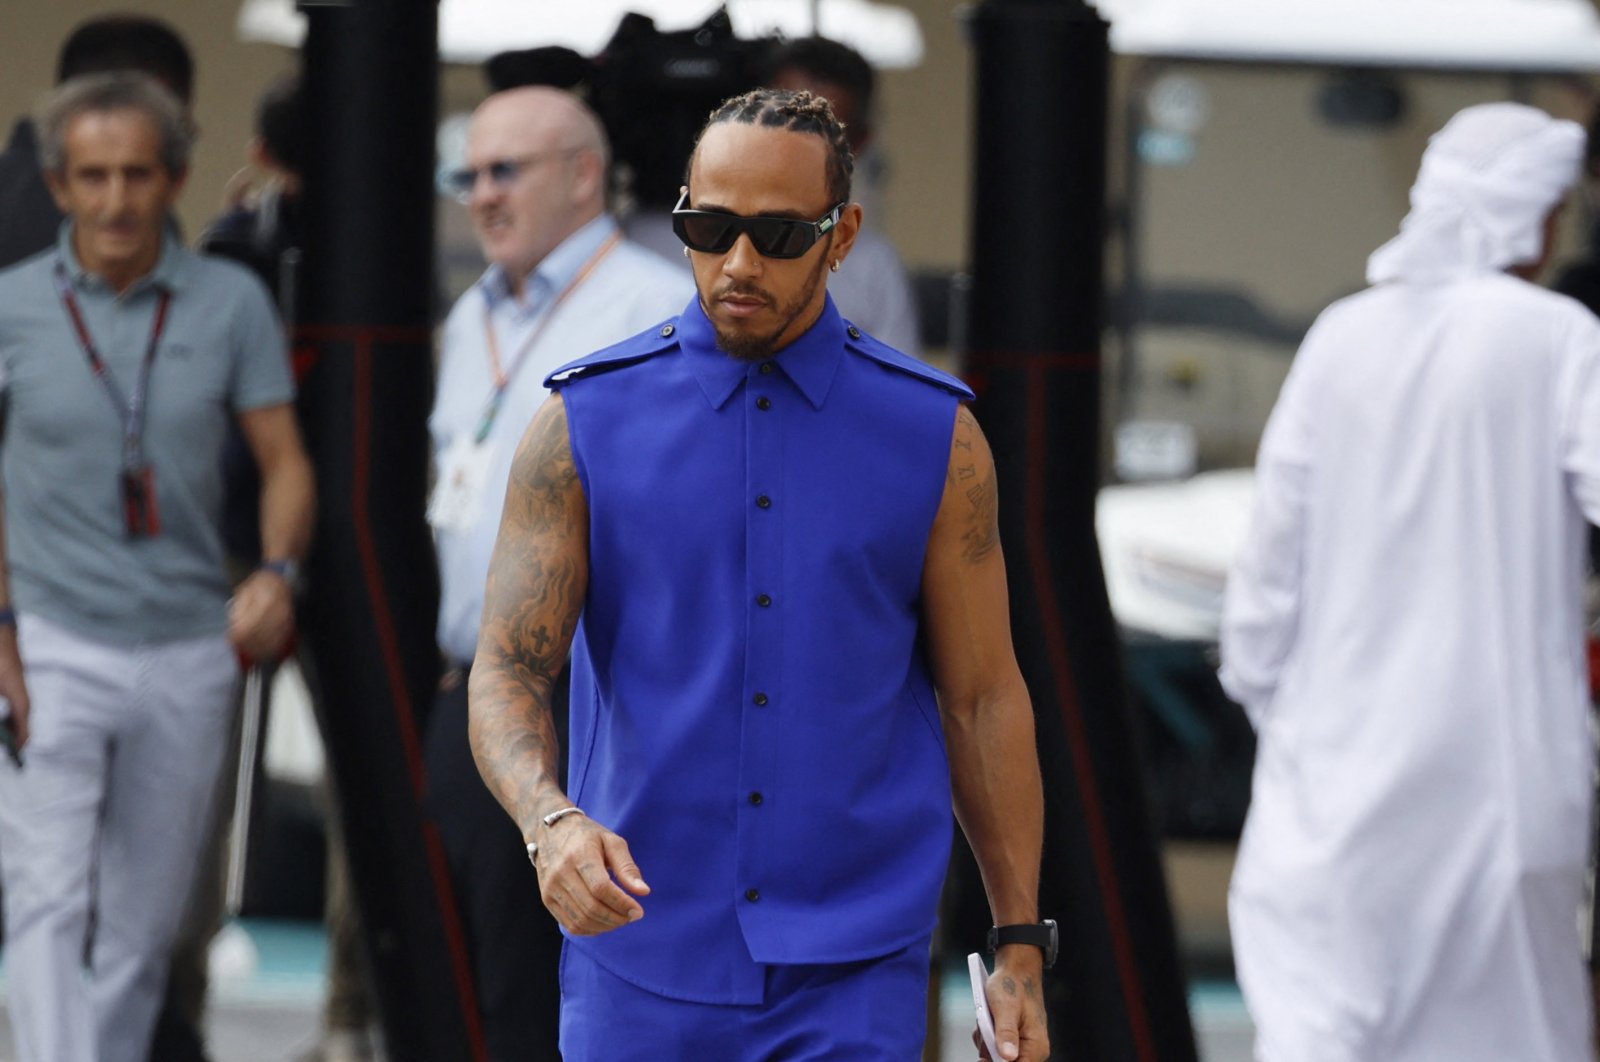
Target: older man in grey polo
column 122, row 357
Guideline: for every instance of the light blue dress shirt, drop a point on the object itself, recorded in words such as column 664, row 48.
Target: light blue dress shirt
column 629, row 289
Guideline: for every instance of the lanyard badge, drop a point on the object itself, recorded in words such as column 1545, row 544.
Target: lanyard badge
column 143, row 519
column 136, row 479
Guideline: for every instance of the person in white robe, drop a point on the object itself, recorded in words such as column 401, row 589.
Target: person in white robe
column 1404, row 628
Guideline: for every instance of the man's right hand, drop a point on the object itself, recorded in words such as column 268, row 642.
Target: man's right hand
column 1016, row 1000
column 261, row 616
column 12, row 687
column 583, row 869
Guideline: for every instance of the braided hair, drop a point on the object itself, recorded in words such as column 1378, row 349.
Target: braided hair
column 799, row 112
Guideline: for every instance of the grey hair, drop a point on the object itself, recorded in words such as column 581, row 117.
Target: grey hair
column 121, row 91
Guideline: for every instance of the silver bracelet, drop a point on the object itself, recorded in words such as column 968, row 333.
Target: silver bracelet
column 556, row 816
column 550, row 820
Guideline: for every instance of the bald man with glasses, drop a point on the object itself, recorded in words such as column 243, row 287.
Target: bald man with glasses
column 561, row 282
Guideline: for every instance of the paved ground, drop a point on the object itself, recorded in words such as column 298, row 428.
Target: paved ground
column 266, row 1010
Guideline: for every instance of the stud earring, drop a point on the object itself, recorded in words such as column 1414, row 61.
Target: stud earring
column 833, row 266
column 686, row 252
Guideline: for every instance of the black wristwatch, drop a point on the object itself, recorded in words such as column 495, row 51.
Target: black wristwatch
column 1042, row 936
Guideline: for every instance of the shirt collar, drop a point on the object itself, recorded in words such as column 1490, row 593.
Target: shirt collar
column 170, row 273
column 810, row 361
column 559, row 268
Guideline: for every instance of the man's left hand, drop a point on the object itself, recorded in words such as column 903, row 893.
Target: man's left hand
column 261, row 616
column 1016, row 1003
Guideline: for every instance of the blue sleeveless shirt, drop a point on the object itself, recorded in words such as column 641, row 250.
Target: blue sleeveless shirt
column 751, row 708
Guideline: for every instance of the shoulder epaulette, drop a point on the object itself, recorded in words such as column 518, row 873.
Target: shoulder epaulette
column 647, row 344
column 882, row 353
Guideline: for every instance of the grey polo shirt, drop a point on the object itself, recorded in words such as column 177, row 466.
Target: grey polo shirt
column 222, row 352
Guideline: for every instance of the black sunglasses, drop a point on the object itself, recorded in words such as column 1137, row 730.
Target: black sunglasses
column 715, row 232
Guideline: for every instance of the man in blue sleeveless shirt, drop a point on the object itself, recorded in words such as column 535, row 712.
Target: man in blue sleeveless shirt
column 770, row 543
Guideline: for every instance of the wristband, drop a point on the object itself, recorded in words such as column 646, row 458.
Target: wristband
column 8, row 616
column 1042, row 935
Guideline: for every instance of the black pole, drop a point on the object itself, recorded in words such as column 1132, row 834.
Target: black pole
column 371, row 82
column 1036, row 318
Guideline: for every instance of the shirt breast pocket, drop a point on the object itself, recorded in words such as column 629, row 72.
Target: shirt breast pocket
column 189, row 391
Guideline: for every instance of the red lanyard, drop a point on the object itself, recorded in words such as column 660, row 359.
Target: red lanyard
column 131, row 411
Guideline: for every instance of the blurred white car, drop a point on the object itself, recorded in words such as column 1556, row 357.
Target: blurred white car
column 1166, row 548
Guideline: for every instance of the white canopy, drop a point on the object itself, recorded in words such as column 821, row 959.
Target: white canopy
column 1532, row 36
column 472, row 30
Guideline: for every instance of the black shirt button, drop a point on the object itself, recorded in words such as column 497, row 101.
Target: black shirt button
column 764, row 502
column 753, row 895
column 760, row 699
column 855, row 333
column 763, row 402
column 766, row 368
column 756, row 799
column 764, row 600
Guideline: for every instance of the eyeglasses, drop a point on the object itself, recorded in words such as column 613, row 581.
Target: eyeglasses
column 501, row 173
column 715, row 232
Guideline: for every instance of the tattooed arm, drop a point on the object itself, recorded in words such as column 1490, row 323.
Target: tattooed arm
column 988, row 723
column 538, row 577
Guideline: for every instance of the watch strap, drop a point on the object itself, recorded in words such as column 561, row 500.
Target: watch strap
column 285, row 568
column 1042, row 935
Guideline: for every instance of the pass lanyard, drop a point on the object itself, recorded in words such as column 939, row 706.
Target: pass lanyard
column 503, row 375
column 131, row 412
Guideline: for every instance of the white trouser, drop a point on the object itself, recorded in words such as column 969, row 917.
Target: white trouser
column 100, row 830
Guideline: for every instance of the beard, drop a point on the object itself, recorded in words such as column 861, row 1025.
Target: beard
column 758, row 346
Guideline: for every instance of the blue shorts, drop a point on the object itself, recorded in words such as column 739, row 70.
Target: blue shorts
column 871, row 1011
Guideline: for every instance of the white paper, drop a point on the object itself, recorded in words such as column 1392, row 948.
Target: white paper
column 463, row 482
column 980, row 1002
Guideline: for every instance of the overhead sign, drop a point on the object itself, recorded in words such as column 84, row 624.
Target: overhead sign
column 472, row 30
column 1531, row 36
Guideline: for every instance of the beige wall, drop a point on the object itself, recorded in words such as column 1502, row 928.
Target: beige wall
column 927, row 142
column 1277, row 199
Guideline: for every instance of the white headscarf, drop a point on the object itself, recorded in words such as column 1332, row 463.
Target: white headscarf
column 1488, row 180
